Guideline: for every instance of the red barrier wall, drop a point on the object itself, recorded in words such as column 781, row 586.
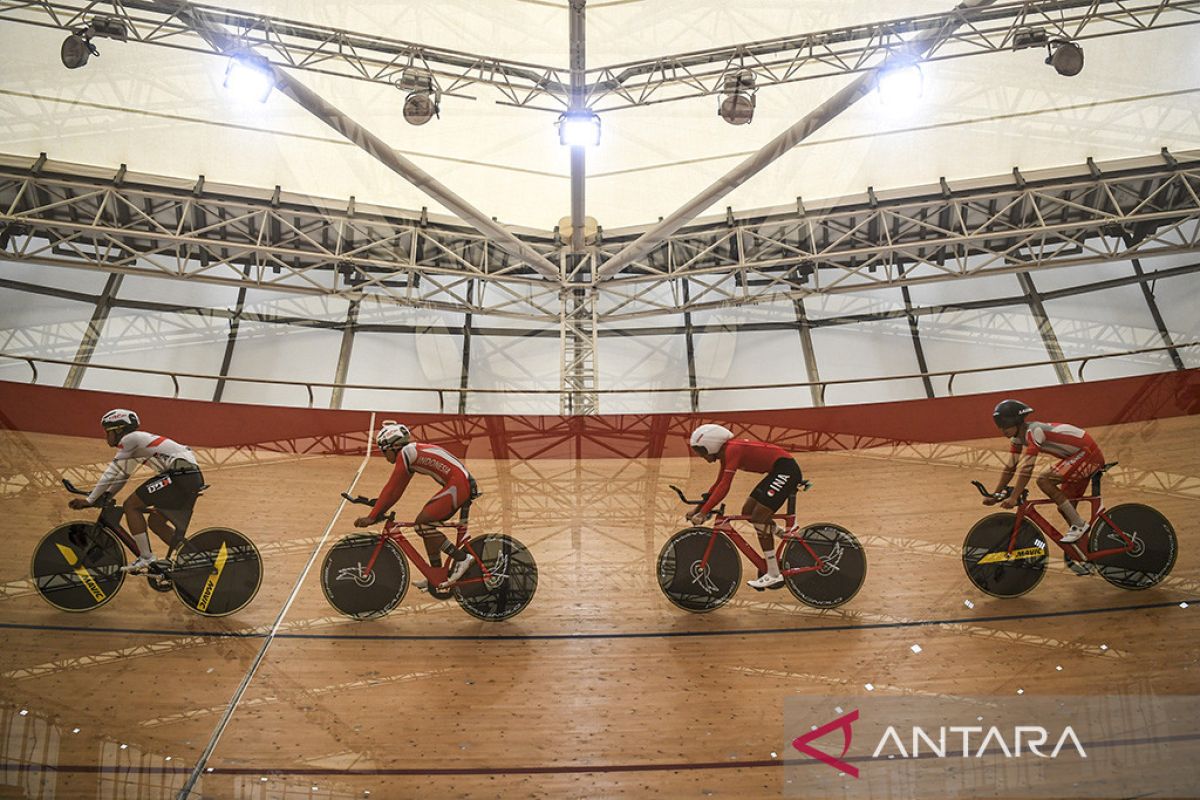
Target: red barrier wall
column 48, row 409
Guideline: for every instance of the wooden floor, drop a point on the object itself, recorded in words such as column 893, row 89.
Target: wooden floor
column 601, row 688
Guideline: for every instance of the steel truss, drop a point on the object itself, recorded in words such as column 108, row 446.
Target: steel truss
column 1149, row 207
column 368, row 57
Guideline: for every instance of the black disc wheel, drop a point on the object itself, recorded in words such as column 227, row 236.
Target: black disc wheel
column 1153, row 551
column 501, row 582
column 77, row 566
column 1000, row 565
column 216, row 572
column 688, row 580
column 354, row 591
column 840, row 561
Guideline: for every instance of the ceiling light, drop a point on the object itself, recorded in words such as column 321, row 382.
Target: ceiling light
column 1066, row 57
column 421, row 103
column 738, row 98
column 77, row 49
column 902, row 82
column 250, row 76
column 579, row 128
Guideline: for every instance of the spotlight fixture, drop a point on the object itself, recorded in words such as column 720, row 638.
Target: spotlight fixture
column 77, row 49
column 579, row 128
column 250, row 75
column 900, row 82
column 421, row 103
column 1065, row 56
column 1029, row 37
column 738, row 98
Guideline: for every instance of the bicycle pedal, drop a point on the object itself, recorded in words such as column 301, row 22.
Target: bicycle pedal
column 1080, row 568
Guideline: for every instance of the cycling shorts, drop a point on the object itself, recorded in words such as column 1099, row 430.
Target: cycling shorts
column 172, row 491
column 779, row 484
column 1076, row 470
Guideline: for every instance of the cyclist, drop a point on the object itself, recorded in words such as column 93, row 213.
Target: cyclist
column 1063, row 482
column 713, row 443
column 458, row 488
column 174, row 488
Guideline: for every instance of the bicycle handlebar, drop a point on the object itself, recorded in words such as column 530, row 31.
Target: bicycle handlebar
column 369, row 501
column 720, row 510
column 106, row 499
column 1001, row 495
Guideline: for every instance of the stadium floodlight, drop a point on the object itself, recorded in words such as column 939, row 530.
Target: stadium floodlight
column 579, row 128
column 900, row 82
column 421, row 103
column 738, row 98
column 1029, row 37
column 1065, row 56
column 250, row 76
column 77, row 49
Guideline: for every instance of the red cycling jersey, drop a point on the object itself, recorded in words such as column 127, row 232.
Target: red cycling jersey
column 1079, row 455
column 744, row 454
column 431, row 460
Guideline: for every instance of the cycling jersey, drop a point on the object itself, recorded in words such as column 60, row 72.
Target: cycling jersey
column 142, row 447
column 1055, row 438
column 741, row 454
column 425, row 459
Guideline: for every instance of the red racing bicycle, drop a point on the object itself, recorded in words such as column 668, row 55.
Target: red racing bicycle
column 365, row 575
column 823, row 565
column 1132, row 546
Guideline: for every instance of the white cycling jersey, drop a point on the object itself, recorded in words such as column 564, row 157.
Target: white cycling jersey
column 141, row 447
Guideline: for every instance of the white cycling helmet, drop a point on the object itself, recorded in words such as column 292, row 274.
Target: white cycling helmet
column 120, row 419
column 392, row 436
column 710, row 438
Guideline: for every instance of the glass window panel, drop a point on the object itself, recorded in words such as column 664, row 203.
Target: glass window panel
column 750, row 357
column 514, row 363
column 284, row 304
column 867, row 350
column 870, row 301
column 43, row 326
column 282, row 352
column 1107, row 321
column 177, row 292
column 625, row 362
column 965, row 289
column 1047, row 280
column 1178, row 300
column 88, row 281
column 993, row 337
column 404, row 360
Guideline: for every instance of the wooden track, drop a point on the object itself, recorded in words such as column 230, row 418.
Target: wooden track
column 601, row 688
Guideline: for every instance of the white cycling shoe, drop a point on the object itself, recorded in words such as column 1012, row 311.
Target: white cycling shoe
column 764, row 582
column 457, row 571
column 1073, row 534
column 140, row 564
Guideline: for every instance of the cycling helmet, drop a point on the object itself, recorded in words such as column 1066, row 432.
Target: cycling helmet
column 1009, row 413
column 392, row 436
column 710, row 438
column 121, row 420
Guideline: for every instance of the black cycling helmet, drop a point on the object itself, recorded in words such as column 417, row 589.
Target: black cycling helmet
column 1009, row 413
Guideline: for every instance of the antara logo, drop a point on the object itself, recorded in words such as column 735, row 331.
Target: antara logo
column 935, row 743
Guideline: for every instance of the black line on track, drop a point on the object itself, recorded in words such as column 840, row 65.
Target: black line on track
column 566, row 769
column 523, row 637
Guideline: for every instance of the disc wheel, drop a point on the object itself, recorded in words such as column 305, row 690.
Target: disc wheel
column 358, row 594
column 843, row 565
column 689, row 584
column 216, row 572
column 77, row 566
column 996, row 570
column 1153, row 554
column 507, row 587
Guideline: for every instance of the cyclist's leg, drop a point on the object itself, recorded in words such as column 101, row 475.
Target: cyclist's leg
column 170, row 492
column 135, row 510
column 1066, row 481
column 440, row 508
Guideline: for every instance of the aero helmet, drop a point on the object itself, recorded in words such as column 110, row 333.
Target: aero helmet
column 392, row 436
column 709, row 439
column 121, row 420
column 1009, row 413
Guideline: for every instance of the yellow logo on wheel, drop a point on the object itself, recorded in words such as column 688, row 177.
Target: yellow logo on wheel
column 210, row 585
column 85, row 577
column 1015, row 555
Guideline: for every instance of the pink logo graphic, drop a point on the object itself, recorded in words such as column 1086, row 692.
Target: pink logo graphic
column 801, row 743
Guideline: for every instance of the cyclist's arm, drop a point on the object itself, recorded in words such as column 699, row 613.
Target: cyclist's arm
column 1006, row 475
column 1024, row 472
column 392, row 490
column 115, row 476
column 719, row 489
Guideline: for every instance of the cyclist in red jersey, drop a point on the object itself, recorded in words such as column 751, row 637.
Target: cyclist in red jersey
column 1065, row 481
column 713, row 443
column 457, row 489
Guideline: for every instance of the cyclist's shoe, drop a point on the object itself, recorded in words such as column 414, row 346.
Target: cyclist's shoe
column 1073, row 533
column 140, row 565
column 1078, row 567
column 421, row 584
column 791, row 532
column 457, row 571
column 766, row 582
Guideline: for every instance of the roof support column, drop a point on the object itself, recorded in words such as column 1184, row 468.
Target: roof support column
column 235, row 322
column 804, row 328
column 1148, row 293
column 578, row 45
column 1049, row 339
column 91, row 335
column 343, row 362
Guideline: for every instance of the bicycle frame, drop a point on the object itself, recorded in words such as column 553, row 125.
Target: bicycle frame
column 1028, row 510
column 394, row 531
column 722, row 527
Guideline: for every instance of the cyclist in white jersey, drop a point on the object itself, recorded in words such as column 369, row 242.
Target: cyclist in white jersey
column 171, row 493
